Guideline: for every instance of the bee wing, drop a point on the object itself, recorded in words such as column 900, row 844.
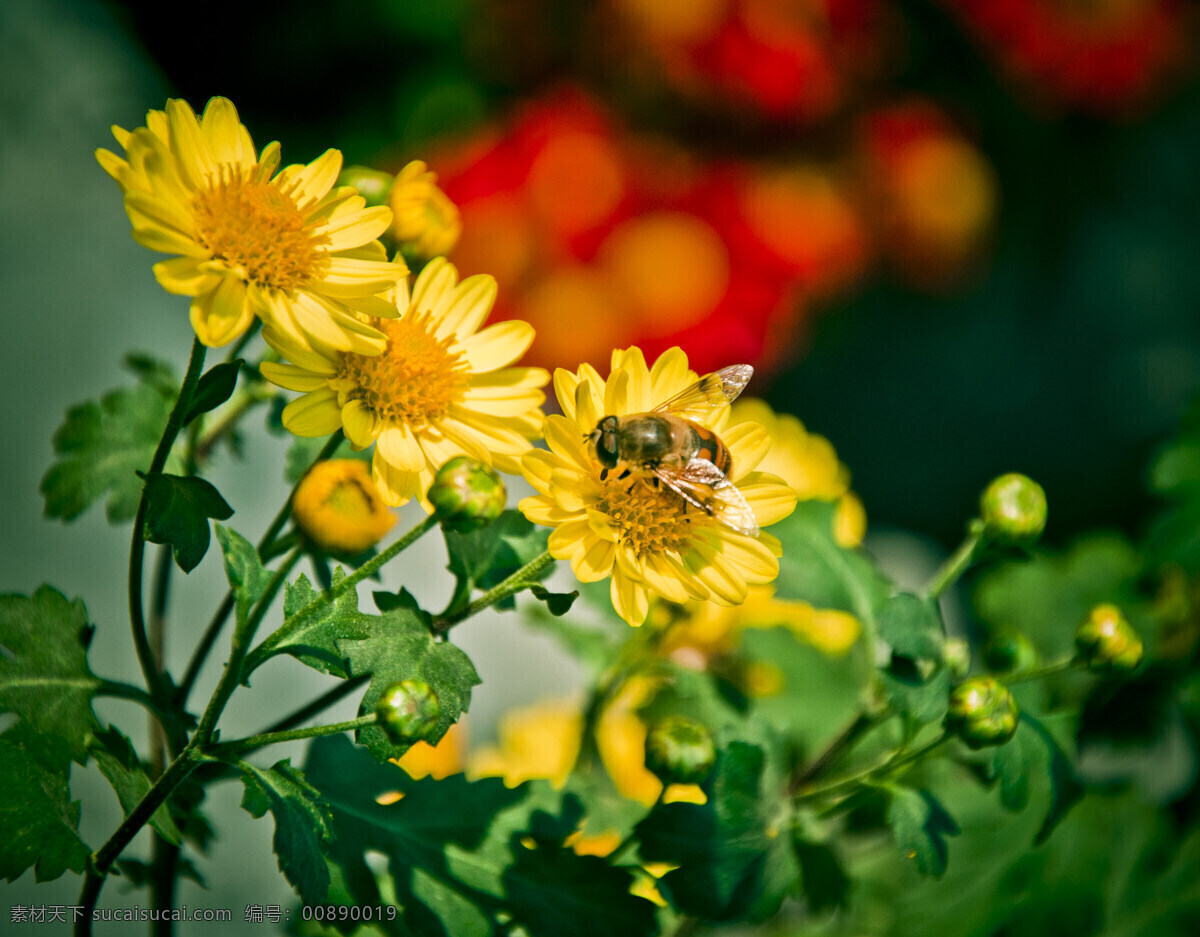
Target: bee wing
column 705, row 486
column 709, row 394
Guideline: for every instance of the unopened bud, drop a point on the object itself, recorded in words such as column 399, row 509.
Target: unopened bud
column 956, row 656
column 372, row 185
column 680, row 750
column 408, row 711
column 425, row 222
column 339, row 509
column 1013, row 509
column 1010, row 652
column 467, row 495
column 1106, row 642
column 982, row 712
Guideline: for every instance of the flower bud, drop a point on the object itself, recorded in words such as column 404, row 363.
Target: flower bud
column 408, row 711
column 338, row 507
column 467, row 495
column 372, row 185
column 425, row 222
column 1106, row 642
column 982, row 712
column 680, row 750
column 956, row 656
column 1009, row 652
column 1013, row 509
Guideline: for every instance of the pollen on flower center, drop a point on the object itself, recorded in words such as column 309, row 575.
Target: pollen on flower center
column 417, row 377
column 258, row 227
column 649, row 517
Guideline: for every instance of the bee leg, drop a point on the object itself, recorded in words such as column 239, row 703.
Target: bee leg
column 624, row 475
column 604, row 474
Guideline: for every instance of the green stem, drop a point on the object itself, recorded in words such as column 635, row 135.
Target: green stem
column 128, row 691
column 265, row 546
column 1062, row 666
column 958, row 563
column 329, row 596
column 319, row 705
column 243, row 634
column 849, row 736
column 238, row 746
column 523, row 578
column 897, row 761
column 137, row 547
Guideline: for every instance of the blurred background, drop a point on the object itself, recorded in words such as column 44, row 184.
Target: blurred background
column 956, row 237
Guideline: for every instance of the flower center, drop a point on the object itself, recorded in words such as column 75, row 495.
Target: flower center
column 257, row 226
column 417, row 377
column 650, row 517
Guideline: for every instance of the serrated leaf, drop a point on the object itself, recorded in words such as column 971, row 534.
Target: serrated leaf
column 723, row 848
column 557, row 603
column 826, row 885
column 102, row 446
column 400, row 646
column 318, row 627
column 922, row 694
column 912, row 626
column 920, row 825
column 39, row 823
column 302, row 824
column 44, row 676
column 244, row 570
column 1065, row 789
column 440, row 910
column 815, row 569
column 177, row 511
column 483, row 558
column 213, row 388
column 119, row 763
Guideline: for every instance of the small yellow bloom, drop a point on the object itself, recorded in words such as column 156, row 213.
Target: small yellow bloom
column 441, row 387
column 339, row 508
column 289, row 247
column 424, row 218
column 646, row 537
column 538, row 742
column 809, row 464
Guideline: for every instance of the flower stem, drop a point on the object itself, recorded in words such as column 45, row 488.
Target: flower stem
column 265, row 649
column 849, row 736
column 523, row 578
column 137, row 548
column 958, row 563
column 211, row 633
column 1049, row 670
column 238, row 746
column 897, row 761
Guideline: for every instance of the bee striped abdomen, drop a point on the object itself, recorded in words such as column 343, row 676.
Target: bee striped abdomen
column 709, row 446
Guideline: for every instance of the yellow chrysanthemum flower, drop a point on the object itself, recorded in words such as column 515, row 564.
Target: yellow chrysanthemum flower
column 646, row 537
column 425, row 220
column 338, row 507
column 288, row 246
column 809, row 464
column 441, row 388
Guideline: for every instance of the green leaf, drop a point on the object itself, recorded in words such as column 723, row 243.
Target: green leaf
column 485, row 557
column 557, row 603
column 1065, row 789
column 314, row 638
column 303, row 824
column 177, row 512
column 213, row 389
column 912, row 626
column 244, row 570
column 400, row 646
column 39, row 823
column 119, row 762
column 826, row 885
column 815, row 569
column 102, row 446
column 733, row 859
column 439, row 909
column 44, row 673
column 920, row 825
column 916, row 689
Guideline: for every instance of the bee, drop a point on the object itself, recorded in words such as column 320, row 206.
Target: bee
column 669, row 445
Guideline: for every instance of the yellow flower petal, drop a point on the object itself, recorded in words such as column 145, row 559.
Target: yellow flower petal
column 360, row 424
column 291, row 377
column 315, row 414
column 629, row 599
column 399, row 447
column 223, row 314
column 497, row 345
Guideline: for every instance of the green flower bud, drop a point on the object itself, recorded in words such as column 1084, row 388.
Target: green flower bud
column 408, row 711
column 680, row 750
column 467, row 495
column 373, row 185
column 956, row 656
column 1013, row 509
column 1009, row 652
column 982, row 712
column 1106, row 642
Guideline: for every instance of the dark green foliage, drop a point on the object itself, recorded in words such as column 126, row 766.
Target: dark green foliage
column 119, row 762
column 244, row 570
column 213, row 388
column 102, row 446
column 920, row 824
column 177, row 511
column 484, row 558
column 826, row 885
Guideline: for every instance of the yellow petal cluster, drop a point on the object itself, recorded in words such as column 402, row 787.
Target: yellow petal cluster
column 646, row 537
column 290, row 246
column 425, row 221
column 440, row 387
column 338, row 507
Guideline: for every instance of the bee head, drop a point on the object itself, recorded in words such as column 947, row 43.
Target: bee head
column 604, row 440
